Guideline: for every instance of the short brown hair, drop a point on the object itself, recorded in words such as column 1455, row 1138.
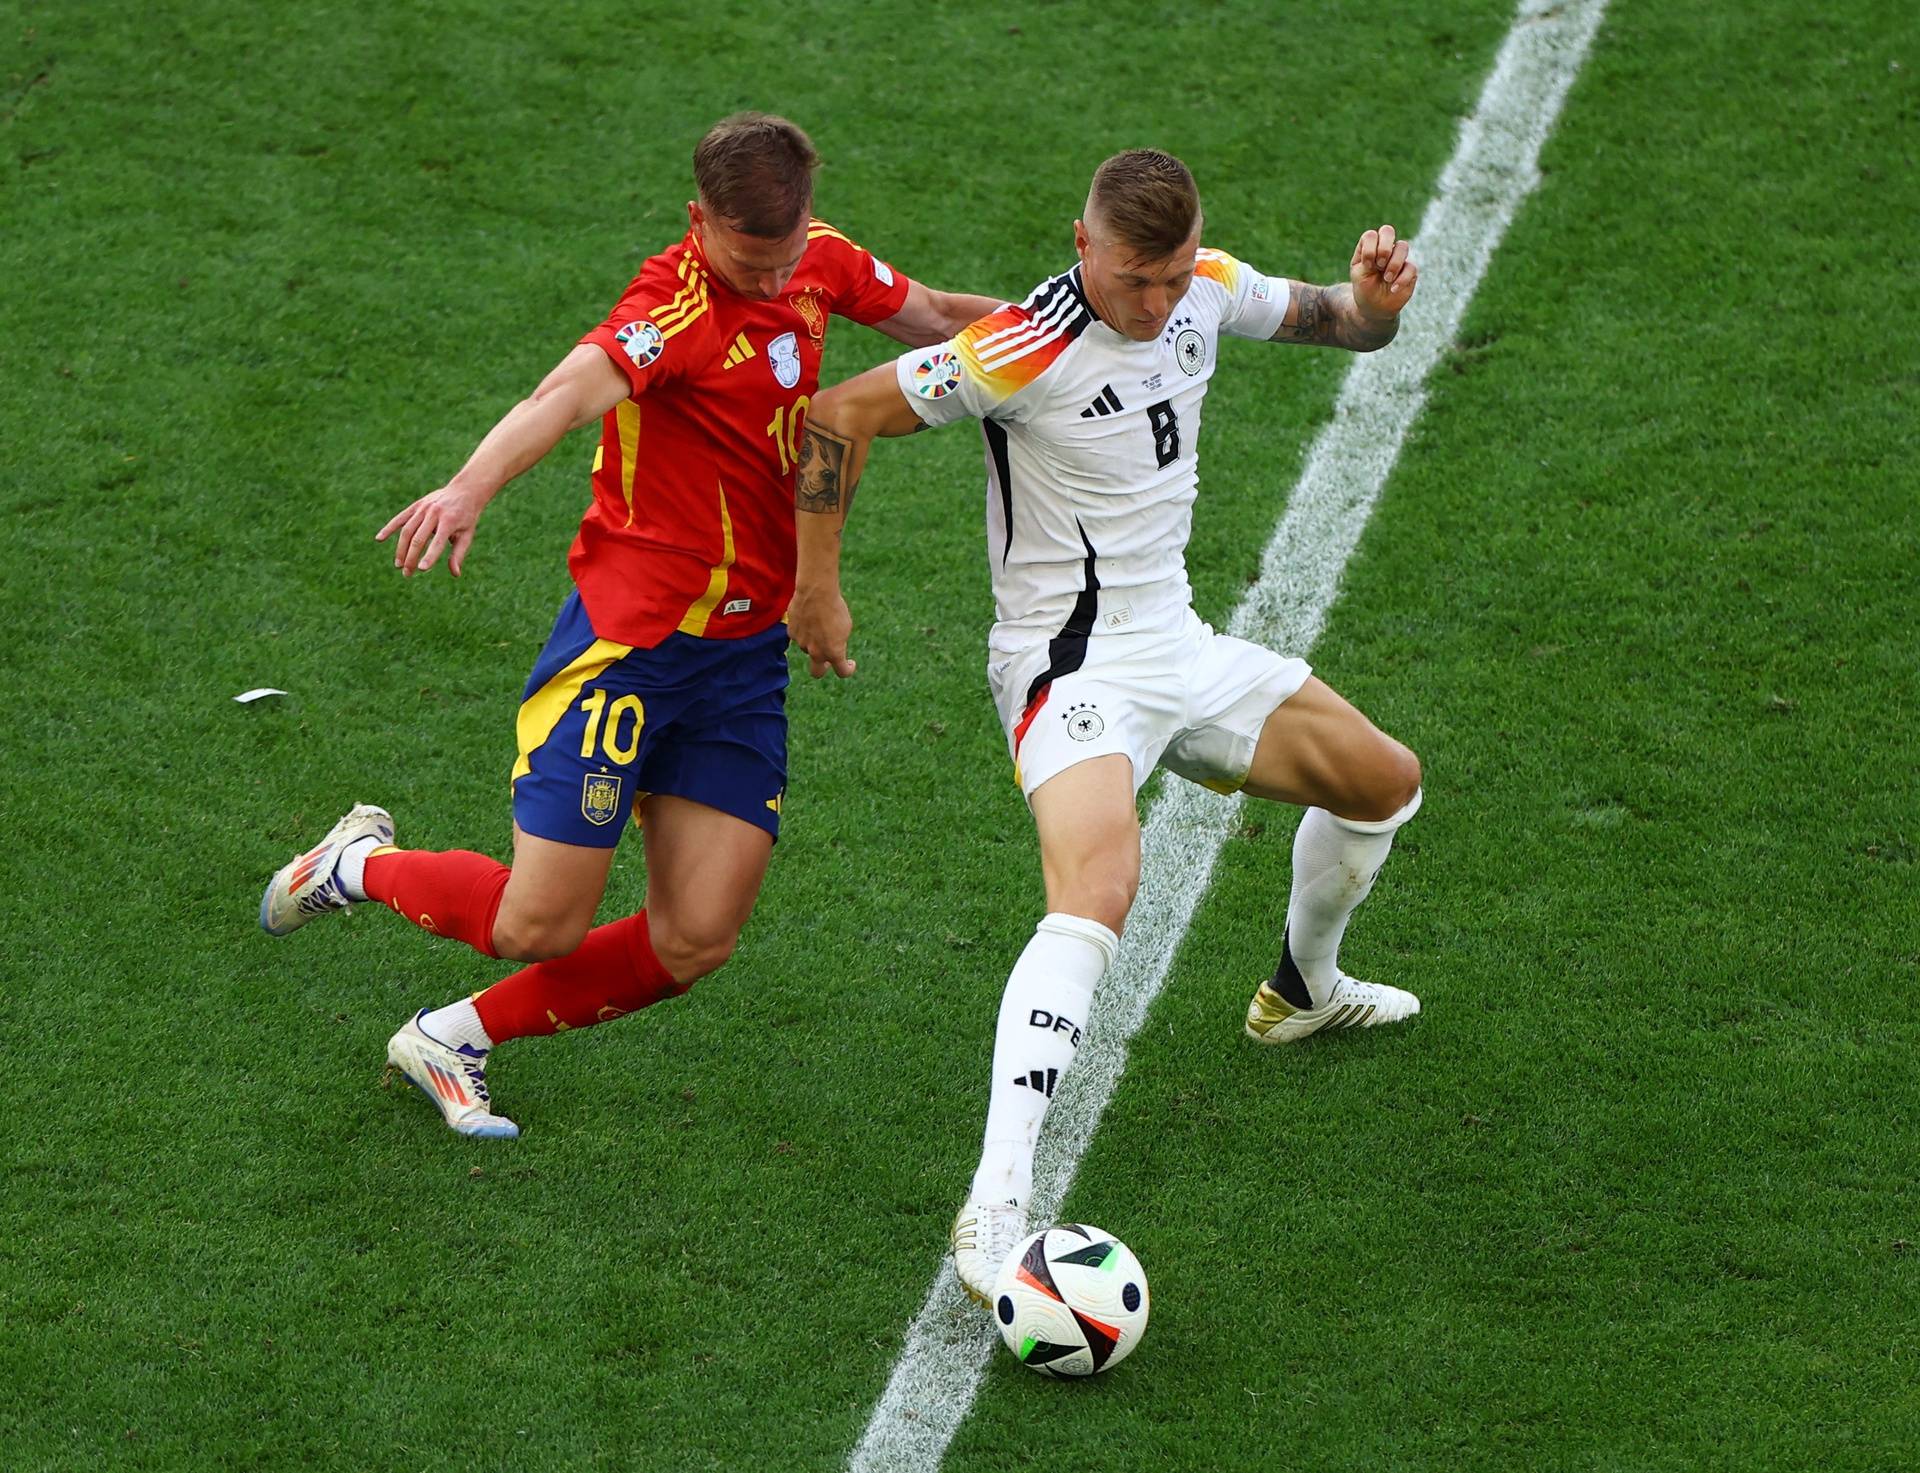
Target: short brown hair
column 755, row 172
column 1147, row 199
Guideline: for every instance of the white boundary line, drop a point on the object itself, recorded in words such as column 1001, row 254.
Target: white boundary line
column 1493, row 168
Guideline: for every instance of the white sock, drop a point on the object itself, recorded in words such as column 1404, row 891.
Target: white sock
column 455, row 1024
column 351, row 869
column 1334, row 864
column 1043, row 1013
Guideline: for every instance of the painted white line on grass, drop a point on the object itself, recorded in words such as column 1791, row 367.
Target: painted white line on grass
column 1492, row 170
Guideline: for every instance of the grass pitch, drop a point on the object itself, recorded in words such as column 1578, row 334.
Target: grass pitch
column 1635, row 1191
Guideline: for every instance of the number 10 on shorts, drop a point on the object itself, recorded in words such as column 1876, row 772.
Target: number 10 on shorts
column 620, row 740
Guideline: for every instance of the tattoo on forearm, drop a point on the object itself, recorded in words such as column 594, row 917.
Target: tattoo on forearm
column 1327, row 317
column 817, row 479
column 1315, row 319
column 1310, row 316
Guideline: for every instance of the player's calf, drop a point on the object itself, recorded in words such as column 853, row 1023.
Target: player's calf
column 1335, row 862
column 611, row 973
column 1043, row 1015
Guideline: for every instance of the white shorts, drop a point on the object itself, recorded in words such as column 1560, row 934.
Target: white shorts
column 1186, row 697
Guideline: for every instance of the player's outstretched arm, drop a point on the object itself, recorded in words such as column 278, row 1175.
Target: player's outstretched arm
column 841, row 423
column 582, row 387
column 927, row 317
column 1364, row 313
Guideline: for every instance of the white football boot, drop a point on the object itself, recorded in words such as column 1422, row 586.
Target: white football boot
column 984, row 1233
column 307, row 885
column 453, row 1079
column 1272, row 1019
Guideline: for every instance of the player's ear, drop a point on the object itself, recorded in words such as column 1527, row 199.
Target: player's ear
column 696, row 217
column 1081, row 240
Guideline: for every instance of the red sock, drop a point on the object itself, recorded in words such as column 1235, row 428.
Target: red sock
column 454, row 892
column 613, row 972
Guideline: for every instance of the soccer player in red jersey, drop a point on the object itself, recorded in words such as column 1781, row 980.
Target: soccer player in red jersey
column 663, row 684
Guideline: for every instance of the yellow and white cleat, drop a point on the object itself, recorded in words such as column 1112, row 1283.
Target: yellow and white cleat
column 984, row 1233
column 307, row 886
column 1272, row 1019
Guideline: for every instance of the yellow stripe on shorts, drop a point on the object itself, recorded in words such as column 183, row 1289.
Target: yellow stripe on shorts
column 540, row 713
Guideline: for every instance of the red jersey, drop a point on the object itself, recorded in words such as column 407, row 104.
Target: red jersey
column 691, row 526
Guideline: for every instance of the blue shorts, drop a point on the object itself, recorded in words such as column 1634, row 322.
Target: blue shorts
column 603, row 724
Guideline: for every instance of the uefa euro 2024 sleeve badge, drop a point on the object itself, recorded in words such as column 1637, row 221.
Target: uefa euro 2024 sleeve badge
column 783, row 357
column 641, row 341
column 936, row 375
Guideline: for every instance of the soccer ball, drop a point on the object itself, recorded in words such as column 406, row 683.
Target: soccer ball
column 1071, row 1300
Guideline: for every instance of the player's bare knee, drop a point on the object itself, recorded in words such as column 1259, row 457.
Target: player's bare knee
column 550, row 942
column 1392, row 778
column 536, row 938
column 1119, row 902
column 689, row 954
column 1406, row 776
column 1103, row 896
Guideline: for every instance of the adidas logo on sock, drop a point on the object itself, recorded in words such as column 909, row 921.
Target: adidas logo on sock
column 1041, row 1079
column 1107, row 403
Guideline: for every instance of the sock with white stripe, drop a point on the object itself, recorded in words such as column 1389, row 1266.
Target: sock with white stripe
column 1043, row 1013
column 1335, row 861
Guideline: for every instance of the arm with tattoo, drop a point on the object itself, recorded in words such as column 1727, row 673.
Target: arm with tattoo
column 1328, row 316
column 820, row 482
column 1362, row 313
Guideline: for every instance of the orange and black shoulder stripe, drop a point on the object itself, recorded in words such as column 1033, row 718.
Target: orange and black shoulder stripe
column 1007, row 350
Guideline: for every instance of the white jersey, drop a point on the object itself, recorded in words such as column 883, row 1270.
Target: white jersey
column 1092, row 444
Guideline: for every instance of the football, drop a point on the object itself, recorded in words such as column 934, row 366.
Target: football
column 1071, row 1300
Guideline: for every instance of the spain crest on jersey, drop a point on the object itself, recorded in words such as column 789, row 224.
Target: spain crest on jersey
column 807, row 304
column 600, row 798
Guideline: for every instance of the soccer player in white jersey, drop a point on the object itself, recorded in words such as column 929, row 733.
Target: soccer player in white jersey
column 1089, row 396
